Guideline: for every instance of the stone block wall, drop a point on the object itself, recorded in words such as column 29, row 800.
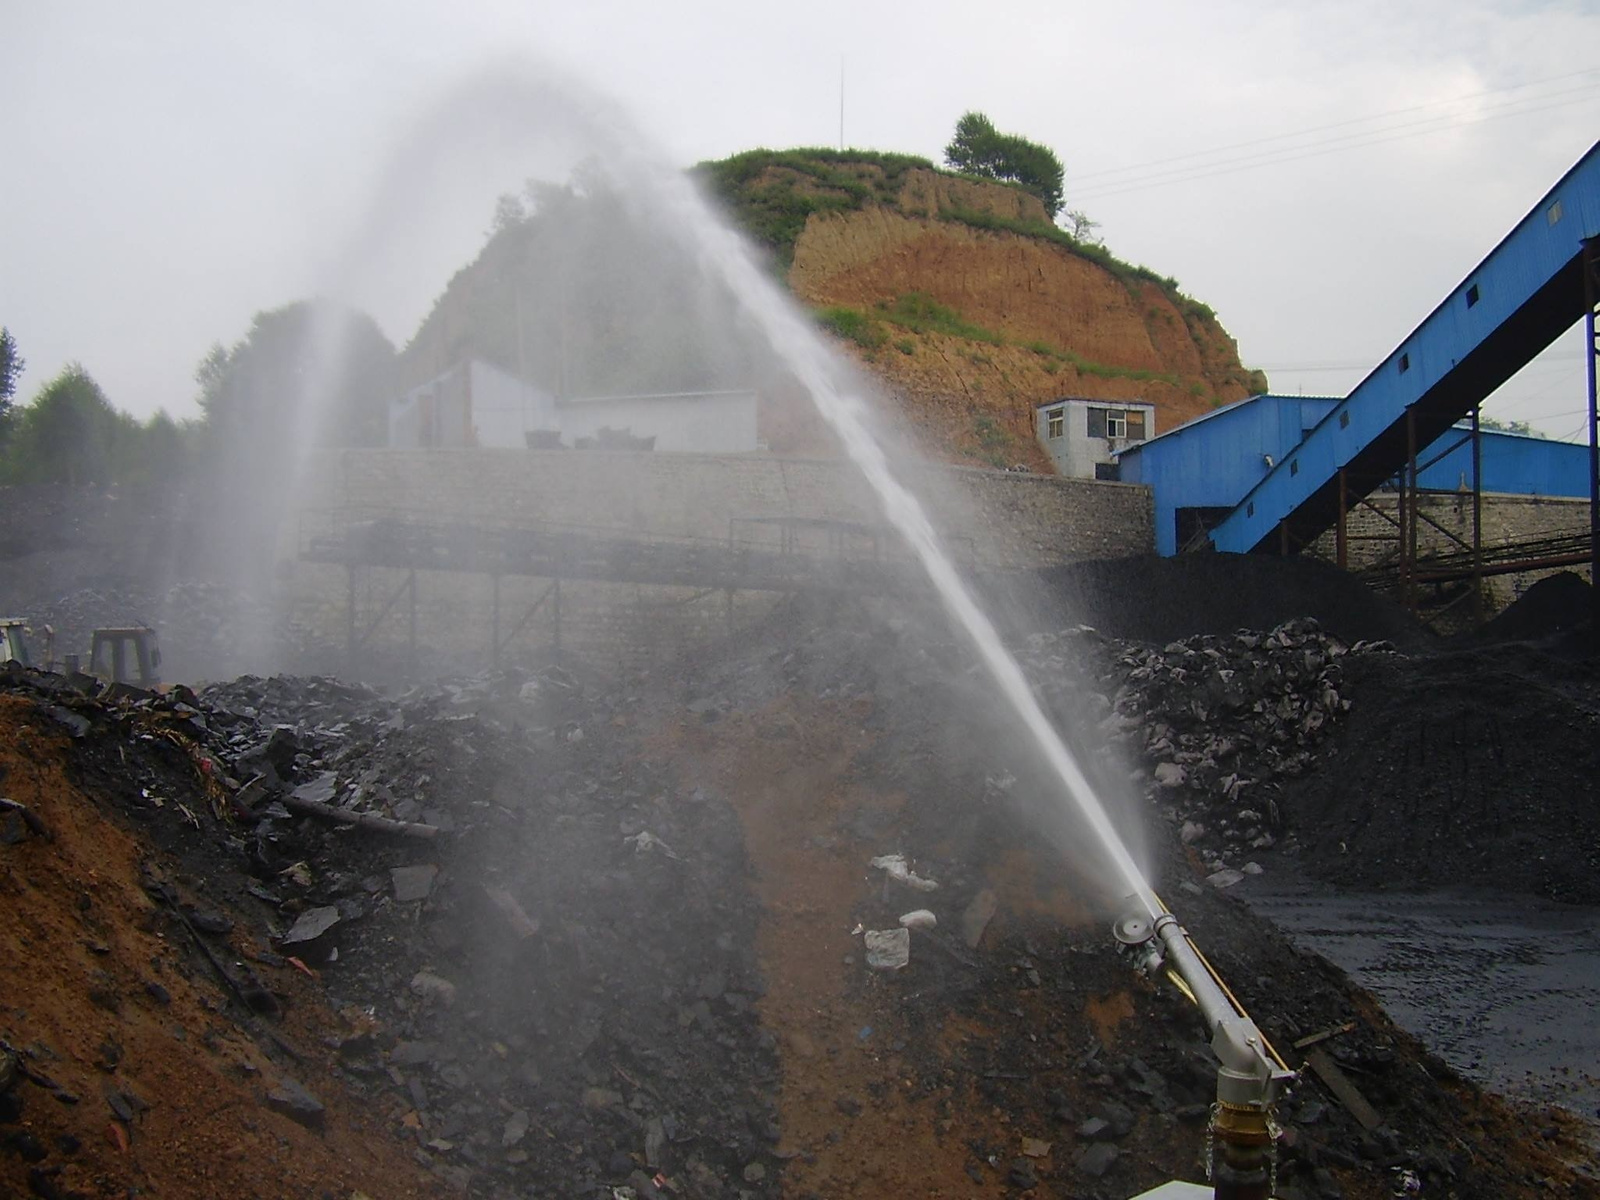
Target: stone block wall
column 992, row 521
column 1506, row 519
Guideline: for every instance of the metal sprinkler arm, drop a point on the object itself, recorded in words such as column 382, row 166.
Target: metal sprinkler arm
column 1251, row 1075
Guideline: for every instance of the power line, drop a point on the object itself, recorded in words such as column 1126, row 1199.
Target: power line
column 1382, row 116
column 1314, row 150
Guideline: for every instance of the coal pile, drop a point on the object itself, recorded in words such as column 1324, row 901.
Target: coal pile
column 1468, row 769
column 1162, row 600
column 1557, row 604
column 1219, row 723
column 551, row 943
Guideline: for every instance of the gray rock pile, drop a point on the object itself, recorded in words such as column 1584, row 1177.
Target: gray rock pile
column 552, row 941
column 1216, row 722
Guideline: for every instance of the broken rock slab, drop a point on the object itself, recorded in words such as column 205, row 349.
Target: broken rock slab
column 888, row 949
column 310, row 928
column 292, row 1099
column 413, row 883
column 1097, row 1159
column 975, row 920
column 919, row 918
column 1224, row 878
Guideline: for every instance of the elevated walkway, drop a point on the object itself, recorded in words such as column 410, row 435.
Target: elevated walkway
column 1518, row 300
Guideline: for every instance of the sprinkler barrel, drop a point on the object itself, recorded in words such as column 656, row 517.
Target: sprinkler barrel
column 1250, row 1074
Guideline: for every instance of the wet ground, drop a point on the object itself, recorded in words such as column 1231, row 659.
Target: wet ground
column 1503, row 988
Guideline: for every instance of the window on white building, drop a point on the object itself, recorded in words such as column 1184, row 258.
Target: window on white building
column 1116, row 424
column 1055, row 423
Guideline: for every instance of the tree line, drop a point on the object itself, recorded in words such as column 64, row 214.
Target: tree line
column 253, row 398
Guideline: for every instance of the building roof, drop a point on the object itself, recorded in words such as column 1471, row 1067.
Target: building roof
column 1189, row 426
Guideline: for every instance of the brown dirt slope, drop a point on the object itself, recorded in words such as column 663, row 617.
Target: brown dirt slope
column 1019, row 316
column 125, row 1067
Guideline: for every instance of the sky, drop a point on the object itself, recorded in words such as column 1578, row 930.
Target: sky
column 1321, row 174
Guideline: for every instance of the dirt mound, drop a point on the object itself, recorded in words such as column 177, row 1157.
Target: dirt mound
column 126, row 1067
column 609, row 944
column 1014, row 1031
column 1162, row 599
column 555, row 984
column 1468, row 769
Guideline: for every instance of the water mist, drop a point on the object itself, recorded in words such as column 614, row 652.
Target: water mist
column 518, row 109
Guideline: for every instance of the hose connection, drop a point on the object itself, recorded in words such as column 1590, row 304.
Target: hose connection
column 1242, row 1138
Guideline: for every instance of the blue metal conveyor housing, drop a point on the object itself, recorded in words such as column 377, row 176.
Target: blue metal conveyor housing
column 1517, row 301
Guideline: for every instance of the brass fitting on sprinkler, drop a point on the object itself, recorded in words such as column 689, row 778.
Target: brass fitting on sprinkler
column 1250, row 1073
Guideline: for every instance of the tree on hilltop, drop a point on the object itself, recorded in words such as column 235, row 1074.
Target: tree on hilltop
column 979, row 149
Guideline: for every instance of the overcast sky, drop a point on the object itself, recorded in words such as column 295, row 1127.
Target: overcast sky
column 1323, row 172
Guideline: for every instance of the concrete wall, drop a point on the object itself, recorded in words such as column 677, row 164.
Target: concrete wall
column 704, row 422
column 994, row 521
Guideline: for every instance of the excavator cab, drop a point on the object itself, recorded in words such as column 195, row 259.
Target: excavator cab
column 13, row 641
column 125, row 655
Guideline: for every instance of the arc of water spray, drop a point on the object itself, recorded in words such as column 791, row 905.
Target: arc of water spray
column 796, row 342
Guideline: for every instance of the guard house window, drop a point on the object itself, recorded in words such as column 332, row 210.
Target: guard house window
column 1136, row 431
column 1112, row 422
column 1055, row 422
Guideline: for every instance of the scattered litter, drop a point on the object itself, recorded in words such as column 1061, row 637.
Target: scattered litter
column 644, row 842
column 896, row 867
column 919, row 918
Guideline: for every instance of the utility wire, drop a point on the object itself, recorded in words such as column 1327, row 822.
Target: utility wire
column 1382, row 116
column 1252, row 162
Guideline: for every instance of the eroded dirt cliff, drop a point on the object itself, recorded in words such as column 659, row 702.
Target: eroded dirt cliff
column 973, row 308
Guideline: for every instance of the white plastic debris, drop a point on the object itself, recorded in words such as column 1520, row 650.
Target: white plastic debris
column 896, row 867
column 888, row 949
column 1224, row 878
column 645, row 841
column 919, row 918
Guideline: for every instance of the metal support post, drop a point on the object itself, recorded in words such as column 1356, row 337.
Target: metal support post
column 1591, row 348
column 1408, row 529
column 1341, row 540
column 350, row 615
column 555, row 601
column 494, row 622
column 1477, row 516
column 411, row 617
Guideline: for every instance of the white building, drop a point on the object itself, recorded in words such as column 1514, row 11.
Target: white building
column 1083, row 437
column 471, row 404
column 476, row 404
column 703, row 422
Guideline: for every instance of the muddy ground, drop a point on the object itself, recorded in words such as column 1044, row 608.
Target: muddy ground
column 624, row 961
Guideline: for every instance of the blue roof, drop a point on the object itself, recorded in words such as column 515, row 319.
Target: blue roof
column 1214, row 461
